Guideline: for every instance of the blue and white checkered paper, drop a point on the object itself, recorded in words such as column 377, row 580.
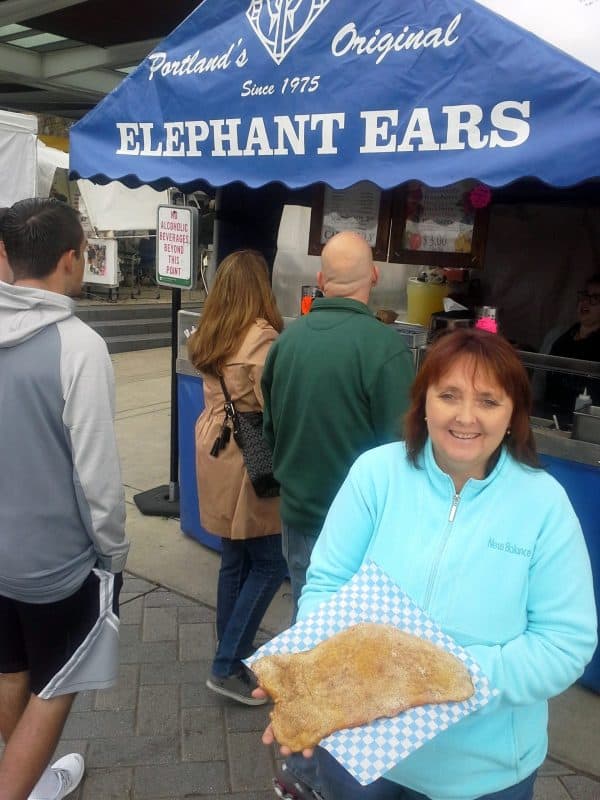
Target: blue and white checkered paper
column 368, row 752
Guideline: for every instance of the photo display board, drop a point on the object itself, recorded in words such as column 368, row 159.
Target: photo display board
column 101, row 265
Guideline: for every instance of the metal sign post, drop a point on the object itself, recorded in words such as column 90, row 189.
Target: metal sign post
column 176, row 269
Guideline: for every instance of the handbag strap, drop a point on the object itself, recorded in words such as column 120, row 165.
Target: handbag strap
column 225, row 392
column 230, row 411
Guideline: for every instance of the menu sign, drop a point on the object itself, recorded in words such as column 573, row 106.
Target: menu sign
column 176, row 246
column 362, row 208
column 355, row 209
column 439, row 220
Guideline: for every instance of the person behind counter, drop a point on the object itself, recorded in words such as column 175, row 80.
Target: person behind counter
column 239, row 323
column 581, row 341
column 463, row 519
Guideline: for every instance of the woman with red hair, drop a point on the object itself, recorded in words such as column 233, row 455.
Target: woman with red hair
column 464, row 520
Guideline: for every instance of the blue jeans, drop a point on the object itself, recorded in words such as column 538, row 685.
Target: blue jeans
column 297, row 548
column 251, row 572
column 337, row 783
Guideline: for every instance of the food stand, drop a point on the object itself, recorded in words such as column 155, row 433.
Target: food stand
column 382, row 117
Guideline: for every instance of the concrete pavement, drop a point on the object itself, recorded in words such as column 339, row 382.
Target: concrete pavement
column 160, row 733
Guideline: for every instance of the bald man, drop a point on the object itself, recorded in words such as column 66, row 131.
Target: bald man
column 347, row 268
column 335, row 383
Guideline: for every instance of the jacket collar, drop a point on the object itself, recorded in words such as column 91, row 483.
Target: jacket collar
column 442, row 482
column 339, row 303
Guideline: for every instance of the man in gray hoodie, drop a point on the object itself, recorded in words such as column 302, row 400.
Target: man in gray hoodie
column 62, row 511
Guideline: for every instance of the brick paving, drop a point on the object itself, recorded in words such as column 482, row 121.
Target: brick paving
column 161, row 734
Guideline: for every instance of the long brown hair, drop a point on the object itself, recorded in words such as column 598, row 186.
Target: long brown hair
column 240, row 294
column 494, row 355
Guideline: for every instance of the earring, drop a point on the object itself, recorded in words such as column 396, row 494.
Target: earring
column 508, row 431
column 425, row 418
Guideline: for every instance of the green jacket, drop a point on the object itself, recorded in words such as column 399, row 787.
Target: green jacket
column 335, row 384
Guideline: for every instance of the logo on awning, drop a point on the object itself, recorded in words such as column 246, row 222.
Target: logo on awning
column 279, row 24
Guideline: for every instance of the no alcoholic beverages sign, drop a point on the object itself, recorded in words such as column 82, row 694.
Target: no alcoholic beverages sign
column 176, row 246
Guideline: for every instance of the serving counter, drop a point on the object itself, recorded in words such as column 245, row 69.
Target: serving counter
column 190, row 399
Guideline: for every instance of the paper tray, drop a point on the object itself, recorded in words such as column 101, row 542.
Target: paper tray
column 372, row 750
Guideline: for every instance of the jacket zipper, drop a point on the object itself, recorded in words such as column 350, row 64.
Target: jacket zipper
column 441, row 549
column 453, row 507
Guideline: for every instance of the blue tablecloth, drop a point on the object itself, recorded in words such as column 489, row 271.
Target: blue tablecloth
column 190, row 404
column 582, row 484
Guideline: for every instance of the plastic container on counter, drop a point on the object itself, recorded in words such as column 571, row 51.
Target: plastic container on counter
column 423, row 299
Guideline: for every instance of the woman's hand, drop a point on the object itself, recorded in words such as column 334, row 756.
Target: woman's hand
column 259, row 693
column 268, row 736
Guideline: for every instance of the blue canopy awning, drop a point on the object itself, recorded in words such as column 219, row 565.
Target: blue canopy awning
column 302, row 91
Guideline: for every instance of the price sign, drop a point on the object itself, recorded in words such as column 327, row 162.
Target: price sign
column 176, row 246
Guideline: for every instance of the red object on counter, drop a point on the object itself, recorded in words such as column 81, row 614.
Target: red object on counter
column 307, row 295
column 456, row 274
column 487, row 324
column 305, row 305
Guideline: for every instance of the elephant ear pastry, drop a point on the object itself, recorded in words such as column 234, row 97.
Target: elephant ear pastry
column 358, row 675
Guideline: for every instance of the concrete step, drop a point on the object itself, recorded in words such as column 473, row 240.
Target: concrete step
column 131, row 326
column 128, row 343
column 106, row 311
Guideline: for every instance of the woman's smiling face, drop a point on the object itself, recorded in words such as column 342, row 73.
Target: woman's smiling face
column 468, row 414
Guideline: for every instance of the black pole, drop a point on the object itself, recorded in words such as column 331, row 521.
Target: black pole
column 174, row 469
column 163, row 501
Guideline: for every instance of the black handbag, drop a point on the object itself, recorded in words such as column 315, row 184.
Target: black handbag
column 248, row 435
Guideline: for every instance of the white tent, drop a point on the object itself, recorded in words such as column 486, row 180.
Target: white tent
column 18, row 157
column 115, row 207
column 28, row 166
column 49, row 159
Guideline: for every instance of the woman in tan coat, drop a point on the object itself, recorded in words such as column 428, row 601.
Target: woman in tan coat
column 239, row 322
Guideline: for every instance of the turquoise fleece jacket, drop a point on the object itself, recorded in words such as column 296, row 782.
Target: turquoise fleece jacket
column 502, row 567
